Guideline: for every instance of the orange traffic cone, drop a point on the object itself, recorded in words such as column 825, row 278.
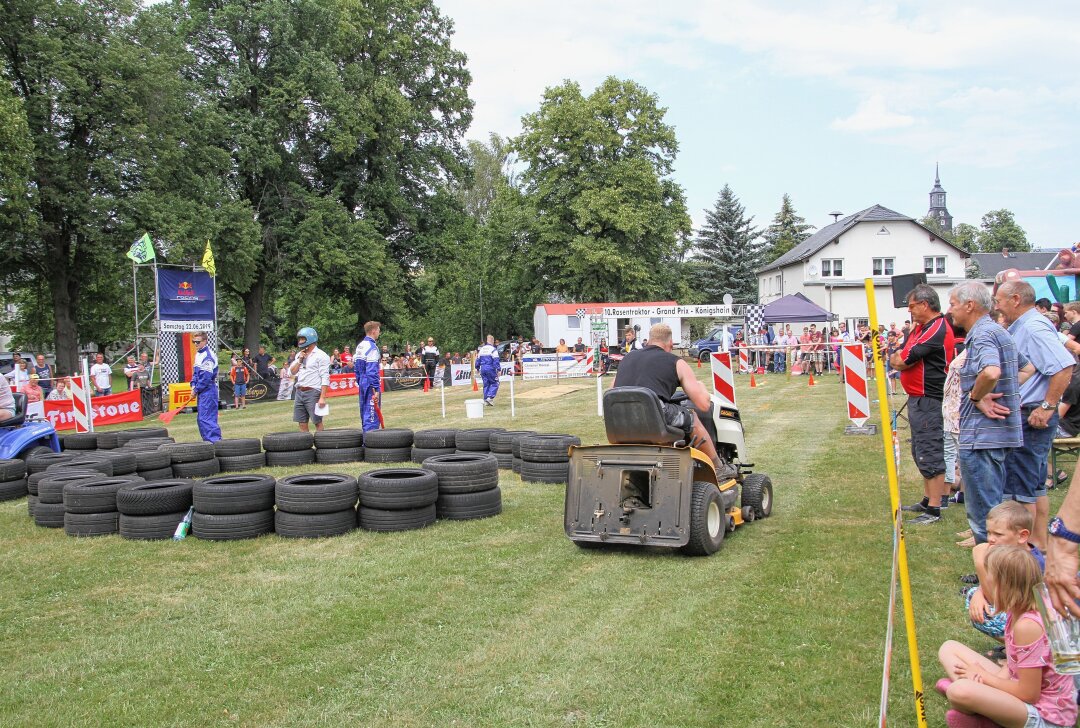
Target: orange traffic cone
column 474, row 387
column 753, row 382
column 427, row 384
column 699, row 363
column 811, row 382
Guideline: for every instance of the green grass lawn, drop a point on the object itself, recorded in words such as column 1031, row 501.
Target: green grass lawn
column 498, row 622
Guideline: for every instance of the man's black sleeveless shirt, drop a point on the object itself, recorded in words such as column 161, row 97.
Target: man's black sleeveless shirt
column 652, row 368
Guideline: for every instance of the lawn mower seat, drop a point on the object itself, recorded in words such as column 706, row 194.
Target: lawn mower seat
column 20, row 411
column 635, row 416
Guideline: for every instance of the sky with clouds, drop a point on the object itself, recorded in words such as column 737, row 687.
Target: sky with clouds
column 839, row 104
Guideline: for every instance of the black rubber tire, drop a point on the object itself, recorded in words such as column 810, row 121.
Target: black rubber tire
column 107, row 441
column 230, row 494
column 420, row 454
column 708, row 522
column 377, row 519
column 38, row 463
column 394, row 438
column 237, row 447
column 33, row 479
column 387, row 454
column 515, row 446
column 150, row 528
column 200, row 469
column 287, row 441
column 314, row 525
column 49, row 515
column 544, row 472
column 237, row 463
column 146, row 443
column 34, row 451
column 95, row 496
column 160, row 474
column 395, row 489
column 12, row 469
column 757, row 493
column 472, row 464
column 232, row 527
column 289, row 458
column 547, row 448
column 336, row 455
column 335, row 439
column 435, row 439
column 51, row 490
column 152, row 459
column 516, row 467
column 80, row 441
column 123, row 461
column 91, row 524
column 467, row 506
column 502, row 441
column 477, row 440
column 31, row 503
column 316, row 493
column 13, row 489
column 505, row 460
column 157, row 498
column 140, row 433
column 189, row 452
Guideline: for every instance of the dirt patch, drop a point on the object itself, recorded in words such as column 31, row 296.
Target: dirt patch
column 549, row 392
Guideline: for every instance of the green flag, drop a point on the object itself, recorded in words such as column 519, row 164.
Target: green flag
column 142, row 250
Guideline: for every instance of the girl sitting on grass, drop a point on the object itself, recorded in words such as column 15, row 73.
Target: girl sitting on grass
column 1026, row 693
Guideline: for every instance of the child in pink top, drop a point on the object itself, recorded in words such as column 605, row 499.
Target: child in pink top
column 1027, row 692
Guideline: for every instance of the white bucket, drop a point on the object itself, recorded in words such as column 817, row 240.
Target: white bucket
column 474, row 409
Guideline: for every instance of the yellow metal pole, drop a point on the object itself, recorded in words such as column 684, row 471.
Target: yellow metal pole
column 894, row 500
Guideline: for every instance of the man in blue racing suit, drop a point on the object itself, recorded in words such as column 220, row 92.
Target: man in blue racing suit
column 487, row 362
column 204, row 388
column 366, row 367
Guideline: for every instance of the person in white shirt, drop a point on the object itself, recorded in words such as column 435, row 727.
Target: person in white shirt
column 7, row 401
column 59, row 390
column 101, row 376
column 312, row 371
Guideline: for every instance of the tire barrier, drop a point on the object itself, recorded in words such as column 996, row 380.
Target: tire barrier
column 468, row 485
column 393, row 445
column 546, row 458
column 315, row 506
column 90, row 505
column 12, row 479
column 501, row 445
column 233, row 507
column 345, row 445
column 289, row 448
column 477, row 440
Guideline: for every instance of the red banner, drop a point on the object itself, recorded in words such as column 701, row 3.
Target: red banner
column 342, row 385
column 110, row 410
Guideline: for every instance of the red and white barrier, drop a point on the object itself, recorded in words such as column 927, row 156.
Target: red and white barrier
column 855, row 383
column 80, row 402
column 744, row 360
column 722, row 376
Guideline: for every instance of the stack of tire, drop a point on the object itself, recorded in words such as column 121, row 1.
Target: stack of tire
column 152, row 511
column 341, row 445
column 36, row 469
column 90, row 505
column 476, row 440
column 12, row 479
column 108, row 440
column 233, row 507
column 192, row 459
column 398, row 499
column 111, row 463
column 501, row 445
column 288, row 448
column 427, row 443
column 315, row 506
column 79, row 441
column 126, row 437
column 546, row 458
column 48, row 500
column 239, row 454
column 388, row 446
column 468, row 485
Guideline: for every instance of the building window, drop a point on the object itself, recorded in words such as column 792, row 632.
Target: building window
column 934, row 266
column 883, row 266
column 654, row 321
column 573, row 322
column 832, row 267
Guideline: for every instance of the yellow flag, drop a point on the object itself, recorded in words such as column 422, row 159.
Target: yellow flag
column 208, row 260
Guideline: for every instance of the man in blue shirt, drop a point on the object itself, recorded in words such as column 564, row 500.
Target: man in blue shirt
column 989, row 402
column 1037, row 340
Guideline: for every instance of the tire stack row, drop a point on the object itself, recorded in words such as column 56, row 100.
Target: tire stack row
column 289, row 448
column 233, row 507
column 315, row 506
column 468, row 485
column 47, row 501
column 501, row 445
column 152, row 511
column 12, row 479
column 336, row 446
column 192, row 459
column 397, row 499
column 477, row 440
column 546, row 458
column 393, row 445
column 428, row 443
column 90, row 505
column 239, row 454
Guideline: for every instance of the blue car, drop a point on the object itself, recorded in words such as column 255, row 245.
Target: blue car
column 21, row 438
column 714, row 342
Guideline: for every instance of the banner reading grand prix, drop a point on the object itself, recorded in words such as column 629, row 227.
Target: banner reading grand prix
column 110, row 410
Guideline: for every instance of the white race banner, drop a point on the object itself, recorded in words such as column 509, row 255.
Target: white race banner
column 460, row 375
column 550, row 366
column 506, row 371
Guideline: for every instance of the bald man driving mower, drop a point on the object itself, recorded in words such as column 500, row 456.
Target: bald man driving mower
column 655, row 367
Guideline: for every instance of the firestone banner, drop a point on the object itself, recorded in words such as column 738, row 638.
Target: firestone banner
column 110, row 410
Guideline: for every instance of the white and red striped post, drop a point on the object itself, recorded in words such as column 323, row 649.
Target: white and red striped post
column 855, row 383
column 722, row 377
column 744, row 360
column 81, row 409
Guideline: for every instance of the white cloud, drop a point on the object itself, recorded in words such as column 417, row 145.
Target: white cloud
column 873, row 115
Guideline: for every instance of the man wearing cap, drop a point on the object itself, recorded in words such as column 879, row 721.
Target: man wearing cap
column 204, row 388
column 311, row 367
column 430, row 355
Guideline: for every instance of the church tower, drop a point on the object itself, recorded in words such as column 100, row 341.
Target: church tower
column 938, row 211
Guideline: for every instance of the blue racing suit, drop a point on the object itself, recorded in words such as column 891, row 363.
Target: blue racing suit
column 487, row 361
column 366, row 368
column 204, row 390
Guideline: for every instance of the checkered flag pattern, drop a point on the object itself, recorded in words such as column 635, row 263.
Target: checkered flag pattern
column 581, row 313
column 169, row 344
column 755, row 318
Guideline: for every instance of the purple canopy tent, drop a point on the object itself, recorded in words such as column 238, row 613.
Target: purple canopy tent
column 795, row 308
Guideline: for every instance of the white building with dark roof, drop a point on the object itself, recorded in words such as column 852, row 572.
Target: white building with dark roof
column 830, row 266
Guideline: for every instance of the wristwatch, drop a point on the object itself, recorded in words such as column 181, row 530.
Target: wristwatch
column 1045, row 405
column 1057, row 528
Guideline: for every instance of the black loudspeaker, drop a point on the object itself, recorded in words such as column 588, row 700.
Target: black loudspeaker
column 903, row 285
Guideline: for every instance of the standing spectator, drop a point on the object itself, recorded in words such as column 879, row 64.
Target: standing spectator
column 335, row 361
column 817, row 339
column 1037, row 341
column 366, row 368
column 1069, row 409
column 312, row 370
column 288, row 381
column 204, row 387
column 630, row 342
column 19, row 375
column 429, row 356
column 835, row 343
column 131, row 369
column 346, row 360
column 989, row 402
column 60, row 391
column 33, row 390
column 262, row 362
column 487, row 362
column 142, row 376
column 101, row 376
column 456, row 358
column 1042, row 306
column 950, row 421
column 579, row 347
column 239, row 377
column 45, row 374
column 923, row 364
column 805, row 349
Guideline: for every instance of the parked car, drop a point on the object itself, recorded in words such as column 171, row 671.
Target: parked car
column 714, row 342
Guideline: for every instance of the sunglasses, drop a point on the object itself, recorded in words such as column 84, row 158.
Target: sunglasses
column 197, row 341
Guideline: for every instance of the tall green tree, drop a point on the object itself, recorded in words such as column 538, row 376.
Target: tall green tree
column 605, row 217
column 729, row 251
column 787, row 230
column 999, row 230
column 966, row 236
